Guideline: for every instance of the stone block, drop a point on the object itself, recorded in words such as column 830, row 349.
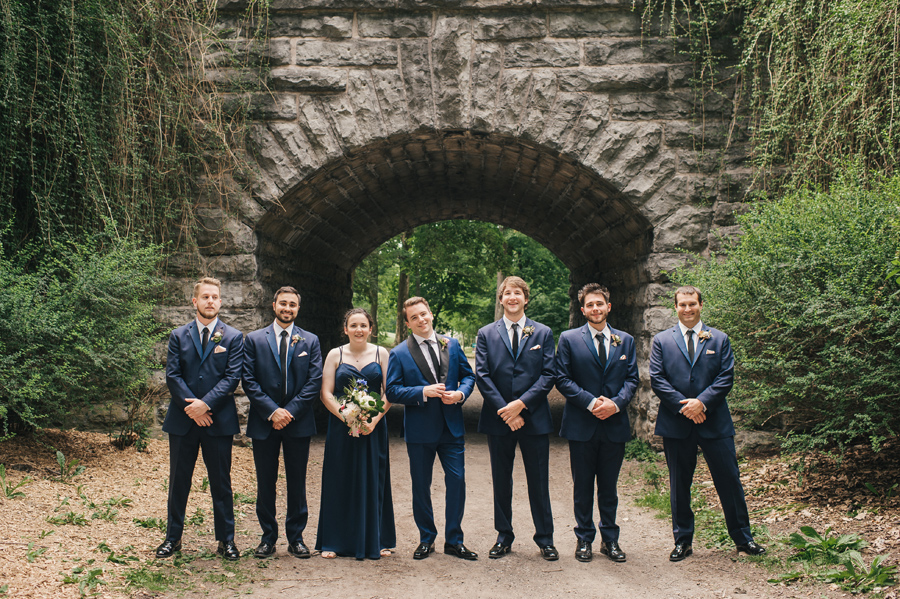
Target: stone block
column 451, row 51
column 243, row 53
column 334, row 26
column 345, row 54
column 726, row 213
column 629, row 51
column 540, row 102
column 686, row 229
column 295, row 144
column 657, row 106
column 240, row 267
column 271, row 107
column 361, row 92
column 541, row 54
column 394, row 25
column 388, row 86
column 220, row 234
column 276, row 6
column 239, row 295
column 493, row 27
column 183, row 263
column 234, row 80
column 595, row 24
column 613, row 78
column 417, row 83
column 270, row 157
column 307, row 79
column 486, row 66
column 756, row 442
column 317, row 129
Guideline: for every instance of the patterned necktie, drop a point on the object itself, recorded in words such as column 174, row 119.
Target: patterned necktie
column 690, row 345
column 282, row 352
column 515, row 339
column 204, row 341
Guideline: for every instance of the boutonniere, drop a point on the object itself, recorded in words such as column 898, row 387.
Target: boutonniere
column 296, row 339
column 615, row 340
column 442, row 341
column 704, row 335
column 527, row 331
column 217, row 336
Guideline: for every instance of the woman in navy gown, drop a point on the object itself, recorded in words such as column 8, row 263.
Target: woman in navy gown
column 356, row 517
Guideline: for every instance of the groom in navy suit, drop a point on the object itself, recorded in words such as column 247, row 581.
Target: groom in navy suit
column 597, row 373
column 282, row 379
column 514, row 371
column 430, row 375
column 203, row 367
column 691, row 372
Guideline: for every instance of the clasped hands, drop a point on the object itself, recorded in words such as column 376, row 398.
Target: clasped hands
column 694, row 410
column 198, row 411
column 604, row 408
column 511, row 414
column 281, row 418
column 440, row 390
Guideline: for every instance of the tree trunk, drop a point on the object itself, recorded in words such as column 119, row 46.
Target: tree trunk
column 373, row 304
column 402, row 296
column 498, row 307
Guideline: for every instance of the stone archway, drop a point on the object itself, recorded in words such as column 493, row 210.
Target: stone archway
column 560, row 119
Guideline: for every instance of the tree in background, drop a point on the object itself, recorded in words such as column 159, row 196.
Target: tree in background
column 813, row 318
column 454, row 264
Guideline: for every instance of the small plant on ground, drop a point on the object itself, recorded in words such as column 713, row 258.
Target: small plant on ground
column 151, row 522
column 9, row 491
column 69, row 517
column 197, row 518
column 34, row 553
column 87, row 579
column 822, row 549
column 68, row 469
column 640, row 451
column 857, row 578
column 244, row 498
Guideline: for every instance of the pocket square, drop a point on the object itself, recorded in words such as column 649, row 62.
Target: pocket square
column 710, row 351
column 535, row 347
column 300, row 355
column 219, row 349
column 621, row 357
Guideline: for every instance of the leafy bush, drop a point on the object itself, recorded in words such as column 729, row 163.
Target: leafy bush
column 814, row 323
column 76, row 331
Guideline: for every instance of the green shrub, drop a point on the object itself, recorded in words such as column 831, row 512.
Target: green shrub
column 76, row 331
column 814, row 323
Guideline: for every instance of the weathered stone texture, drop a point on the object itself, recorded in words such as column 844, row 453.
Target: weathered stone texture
column 558, row 118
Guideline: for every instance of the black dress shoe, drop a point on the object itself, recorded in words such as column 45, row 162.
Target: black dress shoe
column 228, row 550
column 499, row 550
column 549, row 553
column 751, row 548
column 681, row 551
column 299, row 550
column 459, row 551
column 583, row 551
column 423, row 550
column 613, row 551
column 264, row 550
column 168, row 549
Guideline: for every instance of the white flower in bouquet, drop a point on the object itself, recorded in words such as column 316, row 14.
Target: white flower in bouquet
column 359, row 406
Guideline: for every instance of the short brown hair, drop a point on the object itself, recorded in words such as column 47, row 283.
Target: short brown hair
column 514, row 282
column 207, row 281
column 688, row 290
column 592, row 288
column 286, row 289
column 412, row 302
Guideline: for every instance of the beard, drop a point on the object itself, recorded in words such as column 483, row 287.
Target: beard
column 283, row 320
column 208, row 312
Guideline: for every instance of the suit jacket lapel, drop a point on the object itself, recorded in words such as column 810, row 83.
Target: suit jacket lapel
column 195, row 337
column 419, row 358
column 295, row 330
column 445, row 359
column 682, row 345
column 614, row 352
column 273, row 344
column 501, row 330
column 587, row 335
column 700, row 346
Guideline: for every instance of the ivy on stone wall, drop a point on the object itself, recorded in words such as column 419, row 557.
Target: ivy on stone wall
column 814, row 82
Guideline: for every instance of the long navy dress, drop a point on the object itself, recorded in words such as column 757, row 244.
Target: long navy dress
column 356, row 517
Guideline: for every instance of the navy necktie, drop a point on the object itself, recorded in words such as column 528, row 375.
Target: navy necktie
column 283, row 353
column 690, row 345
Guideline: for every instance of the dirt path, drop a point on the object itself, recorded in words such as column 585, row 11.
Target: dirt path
column 647, row 574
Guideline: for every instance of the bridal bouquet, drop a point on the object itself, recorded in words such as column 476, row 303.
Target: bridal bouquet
column 359, row 406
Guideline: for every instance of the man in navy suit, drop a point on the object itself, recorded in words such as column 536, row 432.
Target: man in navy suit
column 514, row 371
column 597, row 373
column 203, row 367
column 282, row 379
column 430, row 375
column 692, row 371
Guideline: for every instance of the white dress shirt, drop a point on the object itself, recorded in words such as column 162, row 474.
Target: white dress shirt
column 435, row 368
column 604, row 336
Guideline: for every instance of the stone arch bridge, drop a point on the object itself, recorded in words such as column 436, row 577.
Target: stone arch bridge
column 370, row 117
